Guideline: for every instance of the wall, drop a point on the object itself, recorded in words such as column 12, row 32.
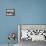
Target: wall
column 27, row 12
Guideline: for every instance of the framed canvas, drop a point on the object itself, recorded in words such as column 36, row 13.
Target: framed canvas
column 33, row 32
column 10, row 12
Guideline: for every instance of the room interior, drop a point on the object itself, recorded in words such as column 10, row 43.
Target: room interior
column 15, row 12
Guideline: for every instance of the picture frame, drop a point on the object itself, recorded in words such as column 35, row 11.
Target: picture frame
column 10, row 12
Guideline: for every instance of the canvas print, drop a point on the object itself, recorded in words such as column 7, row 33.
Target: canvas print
column 10, row 12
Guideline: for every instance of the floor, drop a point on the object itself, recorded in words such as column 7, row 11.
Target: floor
column 30, row 43
column 7, row 45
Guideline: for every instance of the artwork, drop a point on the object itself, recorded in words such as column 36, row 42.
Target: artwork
column 32, row 32
column 12, row 38
column 10, row 12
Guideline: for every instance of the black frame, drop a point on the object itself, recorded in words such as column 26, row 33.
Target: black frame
column 10, row 12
